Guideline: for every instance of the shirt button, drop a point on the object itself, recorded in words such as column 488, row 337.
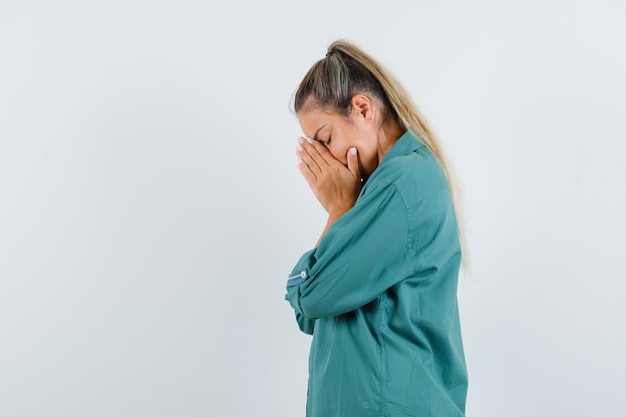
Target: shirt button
column 303, row 274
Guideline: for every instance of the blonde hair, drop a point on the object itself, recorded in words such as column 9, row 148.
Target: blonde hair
column 347, row 70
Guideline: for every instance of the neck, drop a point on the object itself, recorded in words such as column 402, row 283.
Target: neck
column 388, row 137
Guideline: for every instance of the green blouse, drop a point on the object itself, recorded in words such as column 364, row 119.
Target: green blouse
column 378, row 295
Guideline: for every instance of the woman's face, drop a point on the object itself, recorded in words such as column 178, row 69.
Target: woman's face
column 339, row 134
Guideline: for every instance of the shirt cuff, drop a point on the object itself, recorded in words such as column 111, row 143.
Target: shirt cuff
column 299, row 274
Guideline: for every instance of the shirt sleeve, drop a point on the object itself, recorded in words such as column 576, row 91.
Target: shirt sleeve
column 298, row 274
column 361, row 255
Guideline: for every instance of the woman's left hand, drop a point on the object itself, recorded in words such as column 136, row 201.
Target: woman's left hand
column 335, row 185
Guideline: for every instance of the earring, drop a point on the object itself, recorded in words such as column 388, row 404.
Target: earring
column 369, row 118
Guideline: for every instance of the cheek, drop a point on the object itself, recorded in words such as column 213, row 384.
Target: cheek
column 339, row 153
column 341, row 142
column 340, row 150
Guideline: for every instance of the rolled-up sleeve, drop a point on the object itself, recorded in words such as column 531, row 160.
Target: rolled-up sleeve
column 361, row 255
column 298, row 274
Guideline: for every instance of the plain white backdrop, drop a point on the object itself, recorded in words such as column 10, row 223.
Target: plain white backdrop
column 151, row 208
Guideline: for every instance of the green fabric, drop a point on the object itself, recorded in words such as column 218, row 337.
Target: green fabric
column 379, row 297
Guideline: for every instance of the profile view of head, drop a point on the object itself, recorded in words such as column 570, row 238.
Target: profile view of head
column 348, row 99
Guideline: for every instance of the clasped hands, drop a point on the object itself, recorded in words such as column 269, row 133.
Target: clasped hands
column 335, row 185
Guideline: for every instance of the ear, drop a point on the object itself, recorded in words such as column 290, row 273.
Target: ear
column 363, row 108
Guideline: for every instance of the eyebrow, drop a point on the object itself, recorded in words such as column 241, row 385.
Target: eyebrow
column 317, row 131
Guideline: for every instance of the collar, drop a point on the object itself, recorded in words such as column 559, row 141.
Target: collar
column 406, row 144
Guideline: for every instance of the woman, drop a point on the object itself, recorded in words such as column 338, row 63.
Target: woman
column 378, row 291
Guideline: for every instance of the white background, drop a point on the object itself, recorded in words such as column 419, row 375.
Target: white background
column 151, row 208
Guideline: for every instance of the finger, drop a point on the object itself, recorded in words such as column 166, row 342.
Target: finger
column 305, row 157
column 306, row 172
column 353, row 162
column 320, row 154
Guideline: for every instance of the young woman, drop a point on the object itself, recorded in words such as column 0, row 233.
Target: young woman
column 378, row 291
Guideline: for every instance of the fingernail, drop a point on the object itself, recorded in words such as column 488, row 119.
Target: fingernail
column 300, row 141
column 299, row 161
column 309, row 140
column 353, row 151
column 299, row 147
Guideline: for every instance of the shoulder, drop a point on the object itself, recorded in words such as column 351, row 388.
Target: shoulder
column 416, row 175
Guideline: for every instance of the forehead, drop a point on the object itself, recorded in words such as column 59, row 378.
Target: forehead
column 312, row 120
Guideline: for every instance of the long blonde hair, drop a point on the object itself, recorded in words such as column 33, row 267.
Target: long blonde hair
column 347, row 70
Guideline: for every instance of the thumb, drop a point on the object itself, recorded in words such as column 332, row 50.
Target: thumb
column 353, row 162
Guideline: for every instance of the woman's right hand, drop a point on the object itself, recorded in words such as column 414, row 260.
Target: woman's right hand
column 335, row 185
